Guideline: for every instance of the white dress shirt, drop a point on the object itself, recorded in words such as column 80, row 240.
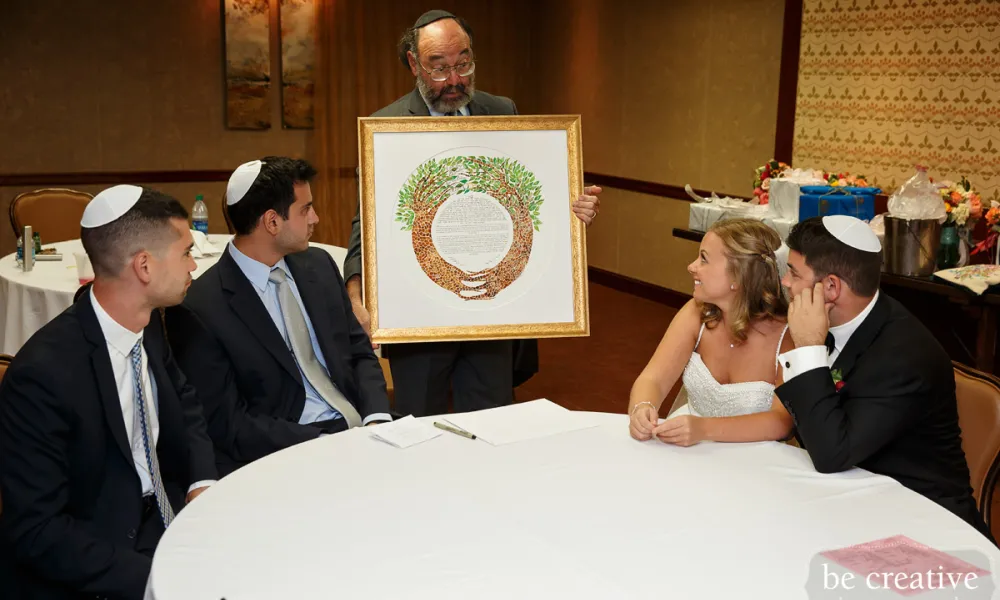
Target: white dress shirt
column 257, row 273
column 798, row 361
column 120, row 343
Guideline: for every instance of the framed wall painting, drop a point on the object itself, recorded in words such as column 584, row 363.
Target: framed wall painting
column 298, row 51
column 468, row 231
column 247, row 25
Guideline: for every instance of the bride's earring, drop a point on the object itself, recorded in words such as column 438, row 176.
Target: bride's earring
column 732, row 287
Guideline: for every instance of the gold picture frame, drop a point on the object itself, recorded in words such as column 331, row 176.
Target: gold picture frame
column 437, row 168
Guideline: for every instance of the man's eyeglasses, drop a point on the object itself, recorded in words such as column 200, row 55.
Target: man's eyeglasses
column 463, row 69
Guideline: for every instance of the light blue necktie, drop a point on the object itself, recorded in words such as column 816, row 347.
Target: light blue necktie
column 152, row 463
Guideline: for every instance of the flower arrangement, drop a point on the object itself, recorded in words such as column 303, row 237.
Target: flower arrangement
column 762, row 179
column 963, row 205
column 992, row 218
column 845, row 180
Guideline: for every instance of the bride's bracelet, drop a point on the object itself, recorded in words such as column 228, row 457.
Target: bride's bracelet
column 640, row 404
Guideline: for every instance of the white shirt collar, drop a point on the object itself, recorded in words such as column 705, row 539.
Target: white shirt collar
column 842, row 333
column 254, row 270
column 118, row 337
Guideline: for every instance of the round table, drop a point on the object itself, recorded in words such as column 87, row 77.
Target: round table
column 33, row 298
column 590, row 514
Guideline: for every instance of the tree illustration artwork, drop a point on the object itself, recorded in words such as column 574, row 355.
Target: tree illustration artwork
column 504, row 180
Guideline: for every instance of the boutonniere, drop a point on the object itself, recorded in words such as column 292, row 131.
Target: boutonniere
column 838, row 379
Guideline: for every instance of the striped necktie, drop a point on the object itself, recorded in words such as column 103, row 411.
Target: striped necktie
column 152, row 462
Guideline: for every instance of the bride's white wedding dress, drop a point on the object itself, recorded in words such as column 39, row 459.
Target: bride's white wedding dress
column 709, row 398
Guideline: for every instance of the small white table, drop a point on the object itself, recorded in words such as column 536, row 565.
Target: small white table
column 591, row 514
column 29, row 300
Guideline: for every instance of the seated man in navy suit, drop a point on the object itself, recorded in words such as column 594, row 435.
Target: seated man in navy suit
column 267, row 335
column 102, row 439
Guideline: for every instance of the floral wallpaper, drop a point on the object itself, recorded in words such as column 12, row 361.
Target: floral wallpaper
column 885, row 85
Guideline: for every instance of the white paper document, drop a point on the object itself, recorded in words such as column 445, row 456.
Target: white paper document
column 405, row 432
column 519, row 422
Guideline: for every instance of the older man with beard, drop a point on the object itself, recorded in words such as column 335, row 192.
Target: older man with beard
column 481, row 374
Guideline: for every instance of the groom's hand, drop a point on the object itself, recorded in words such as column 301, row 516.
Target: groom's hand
column 809, row 317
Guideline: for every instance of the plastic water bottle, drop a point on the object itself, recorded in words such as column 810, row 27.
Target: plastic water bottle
column 26, row 250
column 199, row 215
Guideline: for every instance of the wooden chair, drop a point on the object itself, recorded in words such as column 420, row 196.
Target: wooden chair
column 54, row 213
column 978, row 396
column 388, row 380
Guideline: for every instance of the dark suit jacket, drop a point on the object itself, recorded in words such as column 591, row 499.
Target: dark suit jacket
column 72, row 501
column 246, row 376
column 413, row 105
column 895, row 415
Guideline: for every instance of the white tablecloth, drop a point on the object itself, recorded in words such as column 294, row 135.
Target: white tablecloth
column 590, row 514
column 29, row 300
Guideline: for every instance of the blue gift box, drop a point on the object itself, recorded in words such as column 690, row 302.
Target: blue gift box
column 824, row 200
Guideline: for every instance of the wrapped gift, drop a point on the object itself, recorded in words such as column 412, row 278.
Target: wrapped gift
column 705, row 212
column 781, row 225
column 822, row 201
column 784, row 191
column 784, row 197
column 703, row 215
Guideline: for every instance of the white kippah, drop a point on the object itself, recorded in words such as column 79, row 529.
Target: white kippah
column 241, row 180
column 110, row 205
column 853, row 232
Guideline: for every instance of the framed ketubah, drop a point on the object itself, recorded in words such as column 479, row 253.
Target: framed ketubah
column 468, row 230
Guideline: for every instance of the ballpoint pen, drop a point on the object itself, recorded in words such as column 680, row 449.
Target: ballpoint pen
column 455, row 430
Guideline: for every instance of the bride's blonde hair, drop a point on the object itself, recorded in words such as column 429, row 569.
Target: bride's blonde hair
column 750, row 248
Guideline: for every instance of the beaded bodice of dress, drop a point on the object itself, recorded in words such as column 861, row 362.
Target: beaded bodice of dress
column 709, row 398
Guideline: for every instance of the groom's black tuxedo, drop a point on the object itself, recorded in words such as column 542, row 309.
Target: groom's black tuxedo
column 895, row 413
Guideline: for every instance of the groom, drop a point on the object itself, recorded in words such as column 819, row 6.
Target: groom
column 867, row 384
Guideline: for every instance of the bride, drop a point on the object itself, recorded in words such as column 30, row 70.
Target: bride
column 726, row 340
